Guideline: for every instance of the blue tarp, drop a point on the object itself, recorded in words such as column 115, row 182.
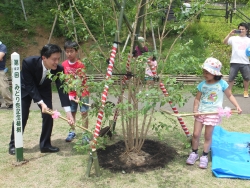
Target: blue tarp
column 230, row 154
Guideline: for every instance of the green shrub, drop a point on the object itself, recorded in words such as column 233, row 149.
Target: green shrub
column 184, row 59
column 239, row 81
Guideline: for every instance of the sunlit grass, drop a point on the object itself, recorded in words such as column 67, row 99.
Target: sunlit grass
column 67, row 168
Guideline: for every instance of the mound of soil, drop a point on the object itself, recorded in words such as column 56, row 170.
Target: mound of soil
column 156, row 155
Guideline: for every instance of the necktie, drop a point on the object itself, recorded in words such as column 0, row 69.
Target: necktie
column 44, row 76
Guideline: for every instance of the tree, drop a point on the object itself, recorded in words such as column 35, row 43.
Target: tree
column 134, row 132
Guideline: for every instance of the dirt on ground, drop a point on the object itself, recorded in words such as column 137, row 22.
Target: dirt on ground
column 154, row 155
column 34, row 45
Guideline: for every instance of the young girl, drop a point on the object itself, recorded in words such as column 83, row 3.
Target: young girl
column 208, row 99
column 149, row 76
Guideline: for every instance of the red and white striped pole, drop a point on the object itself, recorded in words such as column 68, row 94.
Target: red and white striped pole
column 164, row 91
column 104, row 96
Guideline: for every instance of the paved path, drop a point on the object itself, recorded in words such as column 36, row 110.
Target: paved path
column 188, row 107
column 243, row 102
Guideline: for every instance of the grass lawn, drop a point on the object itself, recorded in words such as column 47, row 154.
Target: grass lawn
column 67, row 168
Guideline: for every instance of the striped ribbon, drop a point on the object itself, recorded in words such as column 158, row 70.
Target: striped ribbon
column 164, row 91
column 104, row 97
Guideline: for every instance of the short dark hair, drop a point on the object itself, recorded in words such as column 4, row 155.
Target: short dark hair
column 49, row 49
column 216, row 77
column 243, row 25
column 71, row 44
column 153, row 58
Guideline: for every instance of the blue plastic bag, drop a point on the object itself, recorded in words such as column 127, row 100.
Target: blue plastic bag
column 230, row 154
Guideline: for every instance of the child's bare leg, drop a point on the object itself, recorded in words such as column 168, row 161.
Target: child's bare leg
column 74, row 115
column 71, row 134
column 85, row 122
column 196, row 134
column 193, row 157
column 208, row 137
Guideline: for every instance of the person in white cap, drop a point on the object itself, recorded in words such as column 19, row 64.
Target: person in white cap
column 209, row 98
column 137, row 52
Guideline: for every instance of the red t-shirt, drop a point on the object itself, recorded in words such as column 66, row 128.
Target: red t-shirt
column 75, row 69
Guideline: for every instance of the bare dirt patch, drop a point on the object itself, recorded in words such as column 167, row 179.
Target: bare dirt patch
column 34, row 45
column 134, row 158
column 155, row 155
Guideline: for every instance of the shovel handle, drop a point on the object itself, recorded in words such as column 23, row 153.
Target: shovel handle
column 50, row 112
column 193, row 114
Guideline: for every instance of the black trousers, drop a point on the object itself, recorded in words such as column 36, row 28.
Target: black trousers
column 47, row 123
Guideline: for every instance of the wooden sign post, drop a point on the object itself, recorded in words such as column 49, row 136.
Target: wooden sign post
column 17, row 105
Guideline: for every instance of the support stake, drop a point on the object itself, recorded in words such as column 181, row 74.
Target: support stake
column 93, row 158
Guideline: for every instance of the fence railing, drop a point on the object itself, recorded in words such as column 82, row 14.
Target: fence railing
column 186, row 79
column 215, row 12
column 226, row 11
column 223, row 12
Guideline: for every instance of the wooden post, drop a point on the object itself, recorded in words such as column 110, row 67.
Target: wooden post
column 93, row 159
column 53, row 25
column 73, row 21
column 153, row 36
column 139, row 21
column 24, row 10
column 96, row 163
column 125, row 45
column 90, row 162
column 234, row 6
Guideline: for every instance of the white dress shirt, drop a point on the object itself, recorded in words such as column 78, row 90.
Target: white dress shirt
column 45, row 71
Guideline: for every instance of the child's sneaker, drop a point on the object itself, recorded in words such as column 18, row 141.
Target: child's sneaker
column 70, row 137
column 203, row 162
column 192, row 158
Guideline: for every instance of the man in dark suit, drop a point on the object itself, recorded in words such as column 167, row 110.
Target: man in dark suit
column 35, row 85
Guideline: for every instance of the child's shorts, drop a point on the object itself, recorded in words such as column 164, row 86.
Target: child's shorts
column 209, row 119
column 83, row 108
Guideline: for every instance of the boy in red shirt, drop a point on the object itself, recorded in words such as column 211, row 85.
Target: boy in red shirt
column 76, row 69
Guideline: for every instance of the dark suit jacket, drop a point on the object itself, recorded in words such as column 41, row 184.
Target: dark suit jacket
column 31, row 75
